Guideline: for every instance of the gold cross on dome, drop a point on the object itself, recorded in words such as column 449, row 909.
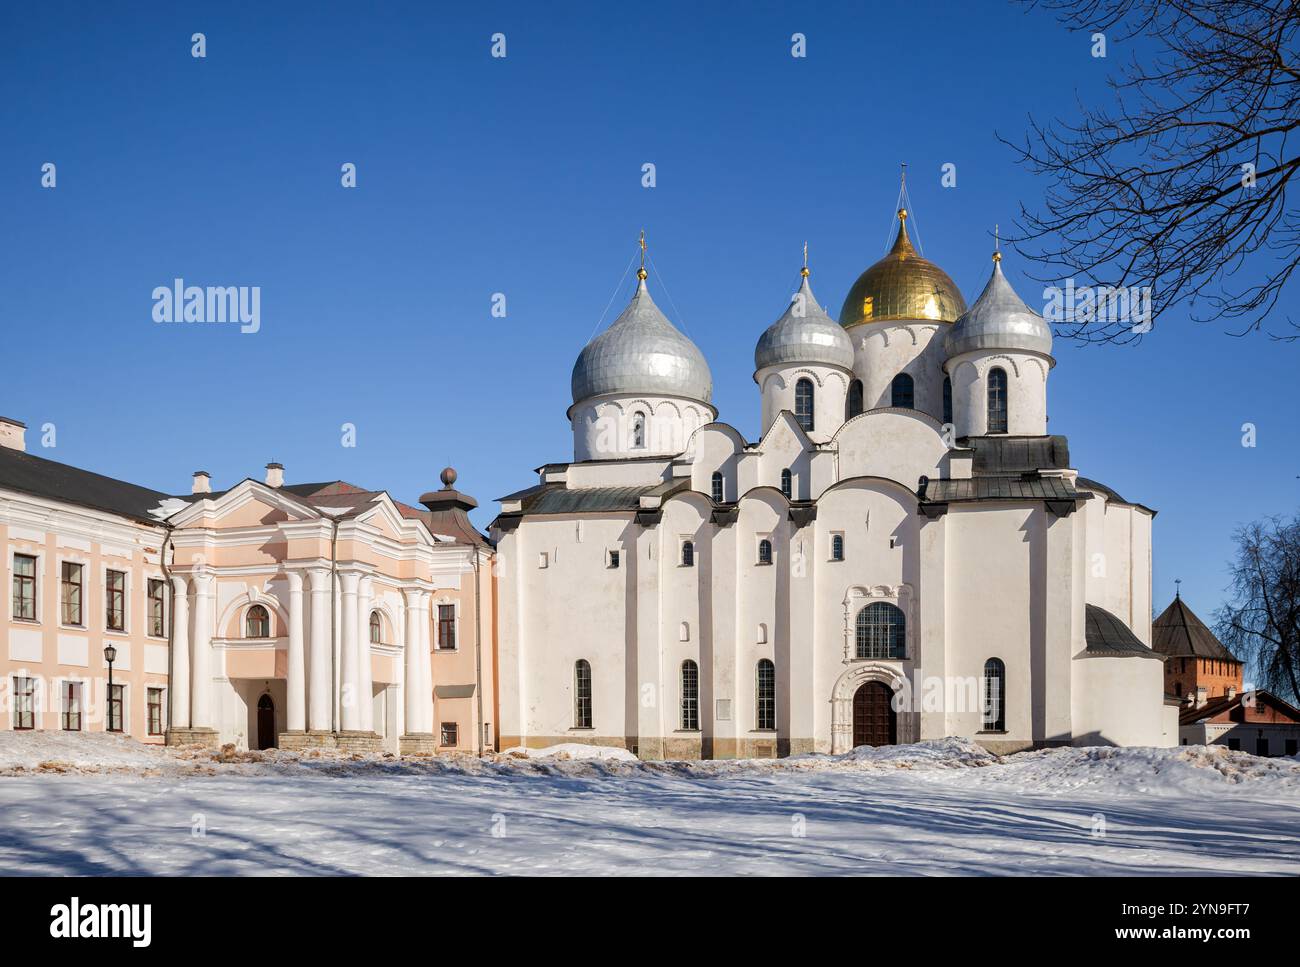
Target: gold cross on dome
column 641, row 271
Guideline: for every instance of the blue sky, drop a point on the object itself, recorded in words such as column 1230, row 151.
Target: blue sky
column 523, row 176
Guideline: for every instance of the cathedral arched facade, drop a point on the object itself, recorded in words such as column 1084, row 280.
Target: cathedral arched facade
column 904, row 553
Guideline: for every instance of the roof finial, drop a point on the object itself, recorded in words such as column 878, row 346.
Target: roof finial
column 1178, row 591
column 997, row 244
column 804, row 271
column 640, row 273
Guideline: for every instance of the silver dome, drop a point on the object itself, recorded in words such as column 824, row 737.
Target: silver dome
column 642, row 352
column 999, row 320
column 808, row 337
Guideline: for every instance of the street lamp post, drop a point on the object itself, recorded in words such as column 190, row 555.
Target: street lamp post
column 110, row 655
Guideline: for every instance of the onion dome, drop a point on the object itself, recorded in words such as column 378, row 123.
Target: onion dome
column 805, row 334
column 999, row 320
column 642, row 352
column 902, row 285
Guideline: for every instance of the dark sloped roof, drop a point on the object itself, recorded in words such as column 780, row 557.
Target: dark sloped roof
column 1109, row 637
column 1102, row 488
column 1179, row 633
column 1217, row 706
column 559, row 500
column 1017, row 454
column 1000, row 488
column 39, row 477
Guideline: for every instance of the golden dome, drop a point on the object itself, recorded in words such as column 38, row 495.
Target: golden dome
column 902, row 285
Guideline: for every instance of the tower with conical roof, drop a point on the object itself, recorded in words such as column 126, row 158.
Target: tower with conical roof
column 804, row 363
column 998, row 355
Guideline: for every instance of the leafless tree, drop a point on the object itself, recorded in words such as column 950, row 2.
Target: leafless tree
column 1262, row 622
column 1182, row 187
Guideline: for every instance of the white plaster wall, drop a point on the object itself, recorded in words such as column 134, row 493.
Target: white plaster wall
column 882, row 350
column 1120, row 701
column 830, row 388
column 895, row 444
column 602, row 427
column 1026, row 392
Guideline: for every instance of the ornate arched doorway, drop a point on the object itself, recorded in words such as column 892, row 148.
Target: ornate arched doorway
column 874, row 720
column 265, row 723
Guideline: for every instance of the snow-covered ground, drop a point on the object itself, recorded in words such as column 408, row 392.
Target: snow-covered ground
column 101, row 804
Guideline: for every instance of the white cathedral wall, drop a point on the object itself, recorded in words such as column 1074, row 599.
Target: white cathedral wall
column 603, row 426
column 1118, row 561
column 882, row 350
column 830, row 390
column 896, row 444
column 1120, row 701
column 1026, row 392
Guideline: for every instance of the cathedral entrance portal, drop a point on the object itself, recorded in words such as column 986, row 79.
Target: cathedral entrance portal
column 874, row 720
column 265, row 723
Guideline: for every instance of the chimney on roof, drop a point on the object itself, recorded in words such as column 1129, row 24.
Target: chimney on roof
column 202, row 482
column 1202, row 696
column 275, row 475
column 13, row 434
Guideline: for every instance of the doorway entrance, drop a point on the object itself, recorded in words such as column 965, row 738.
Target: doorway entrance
column 874, row 720
column 265, row 723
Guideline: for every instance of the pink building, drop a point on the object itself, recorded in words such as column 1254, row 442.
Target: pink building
column 267, row 614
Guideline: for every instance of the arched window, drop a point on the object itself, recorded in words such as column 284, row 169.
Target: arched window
column 903, row 392
column 764, row 551
column 854, row 406
column 765, row 695
column 376, row 628
column 582, row 694
column 947, row 400
column 995, row 691
column 997, row 400
column 881, row 631
column 837, row 547
column 688, row 554
column 257, row 623
column 717, row 487
column 690, row 696
column 803, row 403
column 787, row 484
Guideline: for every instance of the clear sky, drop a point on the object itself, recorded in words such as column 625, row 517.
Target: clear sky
column 522, row 175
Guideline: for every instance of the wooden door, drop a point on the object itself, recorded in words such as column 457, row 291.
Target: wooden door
column 874, row 719
column 265, row 723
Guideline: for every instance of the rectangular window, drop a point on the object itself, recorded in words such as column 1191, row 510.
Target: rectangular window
column 24, row 703
column 446, row 626
column 116, row 697
column 115, row 600
column 71, row 591
column 155, row 698
column 613, row 558
column 157, row 608
column 72, row 706
column 766, row 695
column 582, row 695
column 24, row 587
column 450, row 732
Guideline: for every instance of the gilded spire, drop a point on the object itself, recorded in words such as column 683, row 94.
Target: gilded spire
column 997, row 245
column 640, row 273
column 902, row 243
column 804, row 271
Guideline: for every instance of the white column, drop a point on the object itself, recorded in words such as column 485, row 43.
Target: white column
column 350, row 684
column 365, row 674
column 411, row 684
column 296, row 710
column 180, row 677
column 201, row 667
column 426, row 672
column 320, row 688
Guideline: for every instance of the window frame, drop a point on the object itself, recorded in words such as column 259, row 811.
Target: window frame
column 80, row 586
column 375, row 627
column 448, row 627
column 765, row 705
column 765, row 545
column 689, row 684
column 249, row 631
column 118, row 594
column 150, row 706
column 805, row 403
column 997, row 392
column 854, row 402
column 787, row 483
column 903, row 384
column 837, row 547
column 583, row 714
column 717, row 487
column 995, row 669
column 687, row 556
column 24, row 702
column 24, row 580
column 71, row 689
column 156, row 620
column 867, row 627
column 120, row 702
column 452, row 728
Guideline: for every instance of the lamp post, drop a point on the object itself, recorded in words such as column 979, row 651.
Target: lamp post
column 110, row 655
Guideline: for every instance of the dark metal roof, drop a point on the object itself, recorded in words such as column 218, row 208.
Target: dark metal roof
column 1017, row 454
column 1179, row 633
column 560, row 500
column 1000, row 488
column 1222, row 704
column 39, row 477
column 1095, row 485
column 1109, row 637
